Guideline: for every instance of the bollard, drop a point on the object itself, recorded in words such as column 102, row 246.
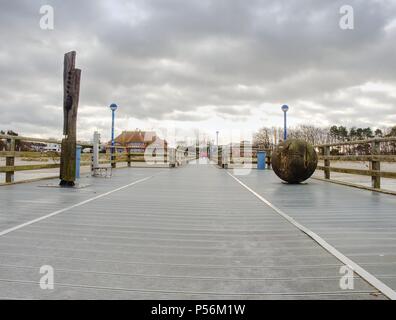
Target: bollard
column 78, row 159
column 95, row 151
column 261, row 156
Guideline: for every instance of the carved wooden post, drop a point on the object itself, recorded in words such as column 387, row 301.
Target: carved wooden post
column 375, row 165
column 71, row 93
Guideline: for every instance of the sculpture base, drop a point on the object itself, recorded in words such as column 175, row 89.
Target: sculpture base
column 295, row 183
column 75, row 186
column 64, row 183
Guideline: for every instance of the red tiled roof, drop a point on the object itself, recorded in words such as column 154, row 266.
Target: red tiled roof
column 136, row 136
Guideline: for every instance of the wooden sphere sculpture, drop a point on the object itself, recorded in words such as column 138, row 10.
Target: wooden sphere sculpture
column 294, row 160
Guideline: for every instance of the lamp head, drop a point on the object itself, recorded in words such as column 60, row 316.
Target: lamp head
column 113, row 107
column 285, row 108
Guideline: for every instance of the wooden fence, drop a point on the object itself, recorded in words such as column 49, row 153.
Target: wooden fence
column 373, row 151
column 172, row 157
column 374, row 155
column 10, row 154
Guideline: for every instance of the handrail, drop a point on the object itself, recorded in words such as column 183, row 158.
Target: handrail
column 354, row 142
column 366, row 157
column 374, row 158
column 43, row 140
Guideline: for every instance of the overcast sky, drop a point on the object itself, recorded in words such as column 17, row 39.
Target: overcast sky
column 198, row 64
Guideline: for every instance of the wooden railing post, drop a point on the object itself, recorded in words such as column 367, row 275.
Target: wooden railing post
column 128, row 152
column 326, row 153
column 172, row 157
column 268, row 159
column 95, row 152
column 219, row 155
column 225, row 159
column 375, row 165
column 10, row 160
column 113, row 157
column 165, row 155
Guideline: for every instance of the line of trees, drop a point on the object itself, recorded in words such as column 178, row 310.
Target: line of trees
column 341, row 134
column 268, row 137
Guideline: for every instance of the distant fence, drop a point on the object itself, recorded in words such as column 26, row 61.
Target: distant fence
column 226, row 156
column 169, row 156
column 373, row 150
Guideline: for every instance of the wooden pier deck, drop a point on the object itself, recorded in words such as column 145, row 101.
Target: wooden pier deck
column 196, row 232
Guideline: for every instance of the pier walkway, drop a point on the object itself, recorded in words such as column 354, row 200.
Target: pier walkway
column 196, row 232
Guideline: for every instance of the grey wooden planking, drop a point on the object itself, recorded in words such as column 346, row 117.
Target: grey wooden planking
column 185, row 233
column 24, row 202
column 359, row 223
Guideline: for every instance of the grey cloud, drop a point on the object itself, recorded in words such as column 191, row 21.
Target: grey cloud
column 167, row 59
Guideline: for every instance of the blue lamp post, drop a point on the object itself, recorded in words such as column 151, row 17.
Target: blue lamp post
column 285, row 108
column 113, row 108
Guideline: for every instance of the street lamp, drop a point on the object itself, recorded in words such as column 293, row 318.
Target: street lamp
column 285, row 108
column 113, row 108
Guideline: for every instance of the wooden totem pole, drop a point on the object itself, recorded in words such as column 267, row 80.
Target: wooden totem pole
column 71, row 93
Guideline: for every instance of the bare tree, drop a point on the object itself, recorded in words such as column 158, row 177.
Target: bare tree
column 309, row 133
column 262, row 138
